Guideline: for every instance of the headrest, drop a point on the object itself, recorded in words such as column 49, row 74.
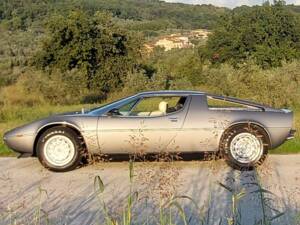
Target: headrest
column 163, row 106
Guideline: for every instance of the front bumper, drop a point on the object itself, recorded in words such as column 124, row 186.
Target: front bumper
column 19, row 143
column 291, row 134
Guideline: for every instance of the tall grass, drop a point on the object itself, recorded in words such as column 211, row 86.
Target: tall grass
column 166, row 208
column 172, row 211
column 39, row 216
column 126, row 217
column 236, row 195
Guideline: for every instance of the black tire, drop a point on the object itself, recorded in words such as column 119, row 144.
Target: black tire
column 231, row 133
column 70, row 135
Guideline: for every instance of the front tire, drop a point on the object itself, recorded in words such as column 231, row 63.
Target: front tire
column 245, row 147
column 59, row 149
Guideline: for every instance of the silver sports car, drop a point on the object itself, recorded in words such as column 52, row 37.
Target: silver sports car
column 153, row 122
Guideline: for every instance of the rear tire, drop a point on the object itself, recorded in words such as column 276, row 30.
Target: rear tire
column 59, row 149
column 245, row 147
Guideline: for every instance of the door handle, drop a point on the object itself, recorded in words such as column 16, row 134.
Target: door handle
column 173, row 119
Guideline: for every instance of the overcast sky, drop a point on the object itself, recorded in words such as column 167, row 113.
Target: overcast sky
column 230, row 3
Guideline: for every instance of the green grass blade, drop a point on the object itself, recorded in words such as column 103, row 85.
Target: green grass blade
column 98, row 185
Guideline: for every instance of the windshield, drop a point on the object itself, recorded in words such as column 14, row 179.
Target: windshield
column 106, row 107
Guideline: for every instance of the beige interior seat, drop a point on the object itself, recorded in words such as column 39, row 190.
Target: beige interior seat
column 143, row 114
column 162, row 109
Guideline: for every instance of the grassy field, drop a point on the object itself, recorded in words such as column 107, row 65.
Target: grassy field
column 16, row 116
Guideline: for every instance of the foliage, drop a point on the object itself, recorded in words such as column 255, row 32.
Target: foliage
column 268, row 34
column 20, row 15
column 251, row 82
column 154, row 12
column 188, row 67
column 174, row 211
column 93, row 45
column 15, row 49
column 240, row 198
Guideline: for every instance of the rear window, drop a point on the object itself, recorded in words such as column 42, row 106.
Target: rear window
column 224, row 104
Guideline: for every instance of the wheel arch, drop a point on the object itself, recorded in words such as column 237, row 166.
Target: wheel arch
column 243, row 124
column 42, row 129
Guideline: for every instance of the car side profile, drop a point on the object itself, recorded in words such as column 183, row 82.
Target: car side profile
column 170, row 121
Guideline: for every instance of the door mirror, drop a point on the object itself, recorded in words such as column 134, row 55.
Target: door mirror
column 113, row 112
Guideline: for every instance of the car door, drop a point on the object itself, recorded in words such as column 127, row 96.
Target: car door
column 137, row 131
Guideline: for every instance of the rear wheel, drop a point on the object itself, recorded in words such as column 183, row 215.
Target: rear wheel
column 245, row 147
column 59, row 149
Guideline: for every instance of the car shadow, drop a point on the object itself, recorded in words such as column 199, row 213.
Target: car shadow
column 153, row 157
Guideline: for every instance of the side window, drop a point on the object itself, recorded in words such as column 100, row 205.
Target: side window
column 223, row 104
column 158, row 106
column 124, row 110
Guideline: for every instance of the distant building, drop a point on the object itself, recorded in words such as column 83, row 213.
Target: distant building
column 177, row 40
column 174, row 41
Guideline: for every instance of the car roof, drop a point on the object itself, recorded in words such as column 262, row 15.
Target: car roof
column 171, row 92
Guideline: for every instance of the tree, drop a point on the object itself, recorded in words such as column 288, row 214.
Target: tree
column 95, row 45
column 268, row 34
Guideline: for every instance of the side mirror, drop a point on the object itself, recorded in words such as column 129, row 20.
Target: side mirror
column 113, row 112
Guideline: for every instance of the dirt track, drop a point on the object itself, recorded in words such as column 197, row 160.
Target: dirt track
column 69, row 198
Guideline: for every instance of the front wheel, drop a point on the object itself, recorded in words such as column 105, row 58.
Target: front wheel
column 59, row 149
column 245, row 147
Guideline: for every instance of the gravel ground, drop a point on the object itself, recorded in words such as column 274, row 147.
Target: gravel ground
column 28, row 191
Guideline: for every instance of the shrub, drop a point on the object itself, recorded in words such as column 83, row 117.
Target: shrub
column 94, row 45
column 268, row 34
column 266, row 86
column 22, row 93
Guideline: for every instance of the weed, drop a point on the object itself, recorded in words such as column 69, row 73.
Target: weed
column 127, row 209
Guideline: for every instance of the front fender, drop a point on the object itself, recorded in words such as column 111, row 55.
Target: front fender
column 84, row 125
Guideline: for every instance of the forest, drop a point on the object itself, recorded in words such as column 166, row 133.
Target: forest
column 61, row 55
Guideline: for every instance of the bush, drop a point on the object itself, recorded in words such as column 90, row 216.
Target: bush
column 94, row 45
column 22, row 93
column 268, row 34
column 37, row 88
column 278, row 87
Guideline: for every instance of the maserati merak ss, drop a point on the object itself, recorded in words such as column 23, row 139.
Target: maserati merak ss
column 153, row 122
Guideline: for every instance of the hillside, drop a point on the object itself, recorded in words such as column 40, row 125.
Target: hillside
column 140, row 14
